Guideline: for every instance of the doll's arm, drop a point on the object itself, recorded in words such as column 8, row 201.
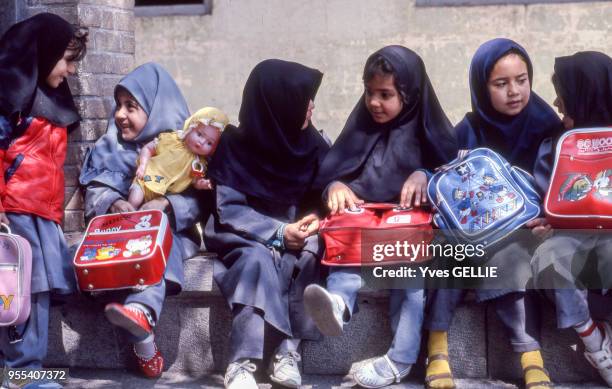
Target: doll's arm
column 146, row 153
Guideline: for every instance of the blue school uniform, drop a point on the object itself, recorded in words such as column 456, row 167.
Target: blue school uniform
column 516, row 139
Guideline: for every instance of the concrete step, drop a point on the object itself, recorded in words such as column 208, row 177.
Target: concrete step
column 193, row 332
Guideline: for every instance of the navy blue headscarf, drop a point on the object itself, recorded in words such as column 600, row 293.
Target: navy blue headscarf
column 516, row 138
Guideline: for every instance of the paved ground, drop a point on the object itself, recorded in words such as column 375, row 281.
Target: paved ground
column 115, row 379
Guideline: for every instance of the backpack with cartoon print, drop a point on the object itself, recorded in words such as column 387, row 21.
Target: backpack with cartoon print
column 481, row 199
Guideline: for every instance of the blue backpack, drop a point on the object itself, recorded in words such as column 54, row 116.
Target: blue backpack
column 480, row 198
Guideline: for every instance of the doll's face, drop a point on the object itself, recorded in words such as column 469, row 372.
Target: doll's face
column 382, row 99
column 130, row 118
column 311, row 107
column 509, row 85
column 63, row 68
column 203, row 139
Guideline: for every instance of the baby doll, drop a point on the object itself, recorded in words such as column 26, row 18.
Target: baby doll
column 174, row 160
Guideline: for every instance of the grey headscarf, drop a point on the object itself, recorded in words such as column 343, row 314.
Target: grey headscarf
column 112, row 161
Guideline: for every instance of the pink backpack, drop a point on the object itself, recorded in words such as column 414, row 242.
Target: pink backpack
column 15, row 278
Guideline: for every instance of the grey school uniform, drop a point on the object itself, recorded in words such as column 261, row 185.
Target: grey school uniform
column 25, row 345
column 261, row 284
column 185, row 213
column 566, row 265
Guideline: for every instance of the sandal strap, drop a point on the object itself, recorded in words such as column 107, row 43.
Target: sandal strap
column 396, row 373
column 540, row 383
column 437, row 357
column 435, row 377
column 536, row 367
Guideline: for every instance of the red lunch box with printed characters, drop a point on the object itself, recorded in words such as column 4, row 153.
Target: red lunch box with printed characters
column 123, row 250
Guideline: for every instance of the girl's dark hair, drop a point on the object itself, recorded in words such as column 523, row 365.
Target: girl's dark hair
column 379, row 66
column 78, row 44
column 516, row 52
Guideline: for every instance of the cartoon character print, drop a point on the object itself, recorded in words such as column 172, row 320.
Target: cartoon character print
column 465, row 205
column 144, row 223
column 575, row 188
column 603, row 185
column 140, row 246
column 89, row 254
column 107, row 252
column 499, row 191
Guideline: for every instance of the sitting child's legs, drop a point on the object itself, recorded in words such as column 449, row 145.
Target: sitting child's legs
column 406, row 308
column 440, row 312
column 138, row 317
column 330, row 308
column 518, row 312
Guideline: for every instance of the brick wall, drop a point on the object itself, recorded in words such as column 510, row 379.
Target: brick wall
column 110, row 55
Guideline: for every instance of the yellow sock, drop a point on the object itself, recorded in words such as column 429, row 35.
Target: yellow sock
column 532, row 376
column 437, row 344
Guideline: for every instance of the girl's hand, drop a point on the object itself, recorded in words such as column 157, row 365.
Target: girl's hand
column 309, row 224
column 293, row 237
column 120, row 206
column 202, row 184
column 4, row 219
column 540, row 228
column 414, row 187
column 160, row 203
column 140, row 171
column 340, row 197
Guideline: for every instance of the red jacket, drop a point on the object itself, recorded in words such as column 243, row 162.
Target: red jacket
column 37, row 185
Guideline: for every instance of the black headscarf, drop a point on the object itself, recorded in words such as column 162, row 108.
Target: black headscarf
column 29, row 51
column 584, row 82
column 517, row 137
column 268, row 156
column 375, row 159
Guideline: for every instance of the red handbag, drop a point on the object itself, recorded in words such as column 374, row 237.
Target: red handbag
column 355, row 238
column 580, row 191
column 123, row 250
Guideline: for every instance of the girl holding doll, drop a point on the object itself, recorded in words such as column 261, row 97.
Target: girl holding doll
column 147, row 103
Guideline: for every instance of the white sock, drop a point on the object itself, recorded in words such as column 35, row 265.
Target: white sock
column 145, row 349
column 591, row 335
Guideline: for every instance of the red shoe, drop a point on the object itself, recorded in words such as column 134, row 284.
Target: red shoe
column 150, row 368
column 131, row 319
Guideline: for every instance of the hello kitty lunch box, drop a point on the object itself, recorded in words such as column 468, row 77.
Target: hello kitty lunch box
column 123, row 250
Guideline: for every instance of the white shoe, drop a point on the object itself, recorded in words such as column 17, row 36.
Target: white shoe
column 239, row 375
column 284, row 369
column 326, row 309
column 368, row 377
column 602, row 359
